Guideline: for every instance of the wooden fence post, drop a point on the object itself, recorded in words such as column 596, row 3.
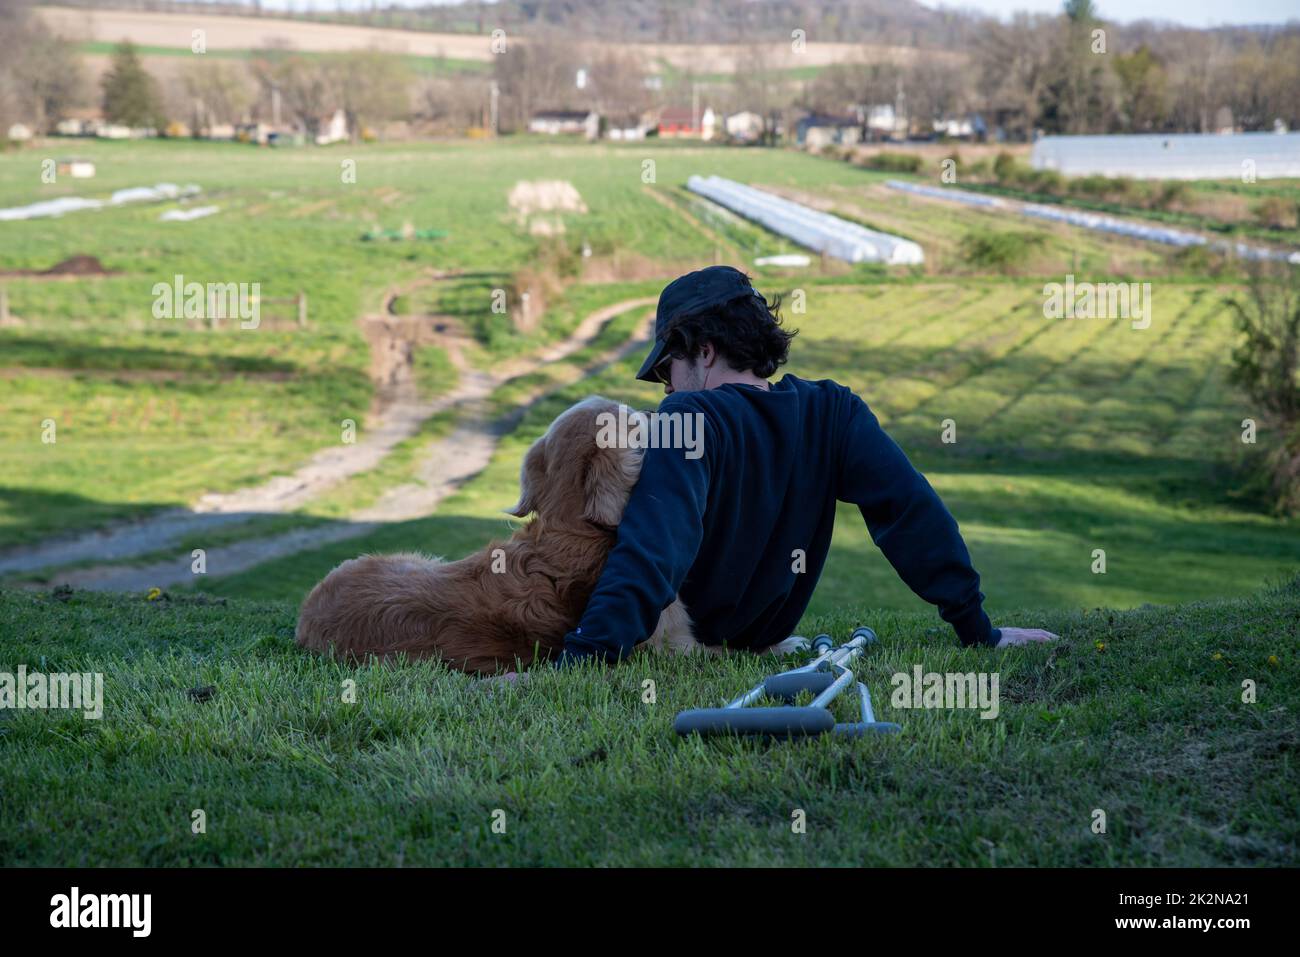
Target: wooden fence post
column 302, row 309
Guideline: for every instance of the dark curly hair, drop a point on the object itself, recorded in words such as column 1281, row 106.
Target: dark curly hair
column 746, row 331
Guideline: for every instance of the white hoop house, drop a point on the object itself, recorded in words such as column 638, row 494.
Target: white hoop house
column 809, row 227
column 1172, row 155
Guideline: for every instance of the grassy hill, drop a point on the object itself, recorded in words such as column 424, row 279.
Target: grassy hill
column 1137, row 714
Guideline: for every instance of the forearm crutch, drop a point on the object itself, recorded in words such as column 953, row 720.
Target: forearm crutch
column 825, row 676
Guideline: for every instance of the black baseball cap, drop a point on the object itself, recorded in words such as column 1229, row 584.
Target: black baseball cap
column 694, row 292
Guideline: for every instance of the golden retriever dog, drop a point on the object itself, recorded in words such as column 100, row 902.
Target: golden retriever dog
column 512, row 600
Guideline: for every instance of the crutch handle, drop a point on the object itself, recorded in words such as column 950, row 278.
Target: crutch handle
column 770, row 722
column 788, row 684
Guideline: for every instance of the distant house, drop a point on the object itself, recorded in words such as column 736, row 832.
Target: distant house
column 823, row 129
column 219, row 131
column 257, row 133
column 882, row 122
column 19, row 132
column 332, row 128
column 967, row 127
column 79, row 122
column 565, row 122
column 744, row 127
column 682, row 121
column 628, row 127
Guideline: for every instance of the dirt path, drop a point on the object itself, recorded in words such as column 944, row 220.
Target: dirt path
column 448, row 464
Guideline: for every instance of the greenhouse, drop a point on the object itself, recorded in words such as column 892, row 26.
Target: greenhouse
column 1240, row 156
column 1153, row 232
column 809, row 227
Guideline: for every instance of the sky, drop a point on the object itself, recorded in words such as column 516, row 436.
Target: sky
column 1193, row 13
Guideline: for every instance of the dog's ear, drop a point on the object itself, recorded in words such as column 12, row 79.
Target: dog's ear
column 532, row 475
column 611, row 473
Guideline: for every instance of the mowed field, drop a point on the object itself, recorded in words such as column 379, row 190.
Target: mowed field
column 1071, row 435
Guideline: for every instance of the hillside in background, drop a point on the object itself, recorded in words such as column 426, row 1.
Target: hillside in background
column 902, row 22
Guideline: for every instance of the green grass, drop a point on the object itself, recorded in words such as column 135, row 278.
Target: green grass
column 1072, row 436
column 1138, row 714
column 248, row 404
column 421, row 65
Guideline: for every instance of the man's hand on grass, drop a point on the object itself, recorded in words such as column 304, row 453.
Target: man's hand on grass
column 1024, row 636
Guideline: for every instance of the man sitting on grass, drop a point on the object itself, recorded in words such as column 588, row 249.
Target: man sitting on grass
column 741, row 532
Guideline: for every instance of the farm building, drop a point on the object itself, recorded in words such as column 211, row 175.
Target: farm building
column 745, row 126
column 628, row 126
column 821, row 129
column 1172, row 156
column 558, row 122
column 883, row 122
column 684, row 121
column 332, row 128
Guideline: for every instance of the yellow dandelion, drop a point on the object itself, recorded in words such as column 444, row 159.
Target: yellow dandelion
column 1272, row 661
column 154, row 594
column 1101, row 646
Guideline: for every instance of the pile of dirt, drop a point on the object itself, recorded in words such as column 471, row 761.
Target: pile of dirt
column 73, row 266
column 77, row 266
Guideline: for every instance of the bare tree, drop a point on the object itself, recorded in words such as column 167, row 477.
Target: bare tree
column 40, row 74
column 218, row 92
column 370, row 85
column 302, row 84
column 536, row 75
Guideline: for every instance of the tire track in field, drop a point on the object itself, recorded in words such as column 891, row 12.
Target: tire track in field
column 973, row 370
column 465, row 451
column 1102, row 328
column 1210, row 383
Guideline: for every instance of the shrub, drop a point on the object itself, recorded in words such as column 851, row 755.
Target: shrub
column 894, row 162
column 1266, row 364
column 1172, row 193
column 1274, row 212
column 1091, row 186
column 1043, row 181
column 999, row 250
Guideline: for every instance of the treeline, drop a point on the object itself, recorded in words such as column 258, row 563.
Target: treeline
column 1073, row 73
column 890, row 22
column 1069, row 73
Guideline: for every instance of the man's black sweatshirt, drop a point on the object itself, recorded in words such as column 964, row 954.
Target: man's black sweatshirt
column 740, row 533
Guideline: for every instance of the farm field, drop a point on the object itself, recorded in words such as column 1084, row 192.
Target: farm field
column 1071, row 436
